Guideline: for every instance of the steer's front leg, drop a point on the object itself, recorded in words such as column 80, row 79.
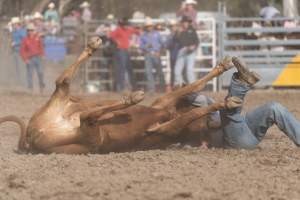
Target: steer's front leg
column 63, row 81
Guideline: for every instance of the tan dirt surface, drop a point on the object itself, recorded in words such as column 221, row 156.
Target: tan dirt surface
column 272, row 171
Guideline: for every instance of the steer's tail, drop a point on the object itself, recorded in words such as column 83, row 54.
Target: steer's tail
column 22, row 145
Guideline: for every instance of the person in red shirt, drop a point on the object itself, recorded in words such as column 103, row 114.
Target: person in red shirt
column 121, row 36
column 32, row 49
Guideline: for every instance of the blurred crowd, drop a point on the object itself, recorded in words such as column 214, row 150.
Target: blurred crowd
column 28, row 38
column 151, row 40
column 123, row 39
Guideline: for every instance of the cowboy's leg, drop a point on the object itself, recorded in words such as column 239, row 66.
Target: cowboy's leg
column 263, row 117
column 236, row 131
column 190, row 67
column 40, row 71
column 179, row 68
column 149, row 73
column 237, row 134
column 159, row 72
column 29, row 73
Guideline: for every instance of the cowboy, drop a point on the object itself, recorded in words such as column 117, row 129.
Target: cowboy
column 188, row 42
column 121, row 36
column 51, row 13
column 18, row 33
column 187, row 10
column 151, row 45
column 86, row 15
column 32, row 50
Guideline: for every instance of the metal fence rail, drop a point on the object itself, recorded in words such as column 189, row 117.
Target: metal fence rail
column 271, row 47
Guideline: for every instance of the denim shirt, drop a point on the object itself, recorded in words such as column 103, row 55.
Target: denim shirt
column 151, row 42
column 17, row 37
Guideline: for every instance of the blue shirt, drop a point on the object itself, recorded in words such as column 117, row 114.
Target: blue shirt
column 151, row 42
column 17, row 37
column 51, row 15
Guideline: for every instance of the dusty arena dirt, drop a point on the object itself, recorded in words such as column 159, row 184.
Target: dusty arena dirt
column 272, row 171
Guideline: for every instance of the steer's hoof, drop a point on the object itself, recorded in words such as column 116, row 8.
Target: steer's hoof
column 137, row 96
column 94, row 43
column 226, row 63
column 133, row 98
column 233, row 102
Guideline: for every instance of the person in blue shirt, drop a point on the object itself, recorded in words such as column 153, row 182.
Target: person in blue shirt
column 18, row 33
column 151, row 45
column 51, row 13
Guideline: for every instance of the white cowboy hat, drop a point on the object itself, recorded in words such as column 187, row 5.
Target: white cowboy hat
column 172, row 22
column 51, row 5
column 38, row 15
column 148, row 22
column 15, row 20
column 190, row 2
column 85, row 5
column 30, row 27
column 110, row 17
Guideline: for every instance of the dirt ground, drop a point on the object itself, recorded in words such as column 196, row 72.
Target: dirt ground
column 272, row 171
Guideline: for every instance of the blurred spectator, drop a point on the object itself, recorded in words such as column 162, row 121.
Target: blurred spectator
column 187, row 10
column 188, row 42
column 173, row 47
column 138, row 14
column 18, row 33
column 86, row 15
column 32, row 50
column 151, row 45
column 39, row 24
column 51, row 13
column 269, row 12
column 121, row 37
column 111, row 21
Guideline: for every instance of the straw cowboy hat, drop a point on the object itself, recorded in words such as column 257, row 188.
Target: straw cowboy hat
column 51, row 5
column 30, row 27
column 190, row 2
column 85, row 5
column 15, row 20
column 38, row 15
column 148, row 22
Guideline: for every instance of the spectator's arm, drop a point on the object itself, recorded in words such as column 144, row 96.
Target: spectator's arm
column 143, row 43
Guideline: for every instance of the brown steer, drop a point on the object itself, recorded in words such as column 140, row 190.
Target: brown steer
column 67, row 124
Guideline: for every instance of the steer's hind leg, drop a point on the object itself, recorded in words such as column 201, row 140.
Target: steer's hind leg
column 175, row 126
column 171, row 98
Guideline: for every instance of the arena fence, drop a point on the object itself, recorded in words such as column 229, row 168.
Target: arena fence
column 271, row 48
column 98, row 71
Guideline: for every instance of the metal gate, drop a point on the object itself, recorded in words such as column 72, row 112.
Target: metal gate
column 271, row 48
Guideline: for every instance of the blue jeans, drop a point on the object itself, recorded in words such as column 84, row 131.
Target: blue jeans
column 245, row 132
column 34, row 63
column 188, row 59
column 152, row 61
column 122, row 65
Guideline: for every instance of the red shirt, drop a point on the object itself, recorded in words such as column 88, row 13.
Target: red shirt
column 122, row 36
column 31, row 46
